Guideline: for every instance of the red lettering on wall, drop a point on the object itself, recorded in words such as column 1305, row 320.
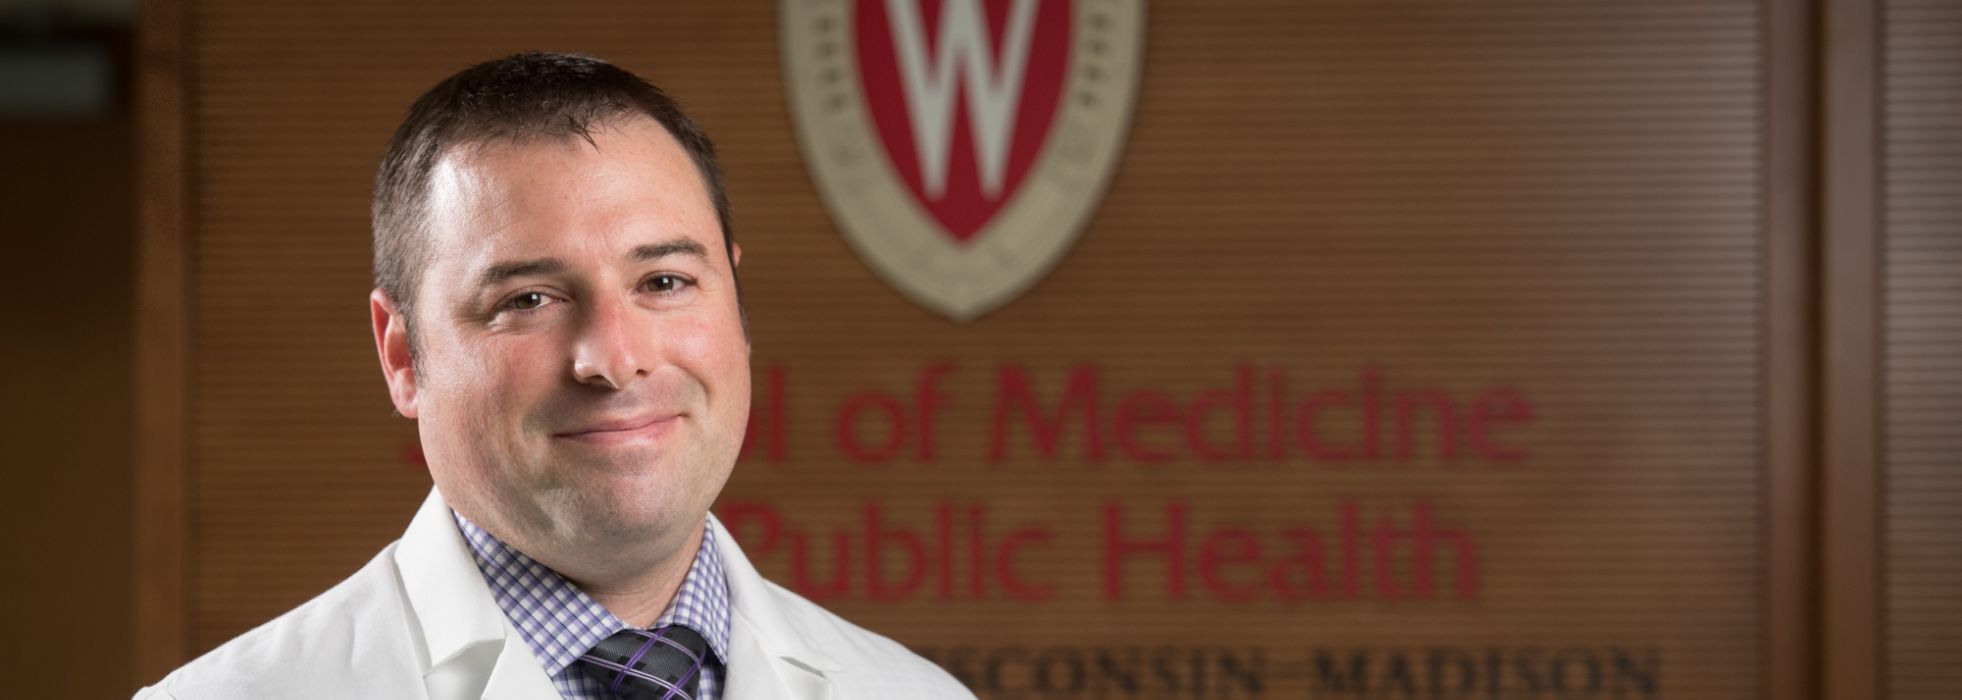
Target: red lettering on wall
column 878, row 539
column 1224, row 550
column 1235, row 563
column 1423, row 537
column 1168, row 547
column 928, row 399
column 1311, row 441
column 1138, row 410
column 882, row 557
column 1079, row 394
column 1224, row 425
column 888, row 423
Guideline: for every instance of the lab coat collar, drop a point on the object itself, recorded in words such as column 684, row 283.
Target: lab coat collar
column 472, row 649
column 436, row 572
column 771, row 656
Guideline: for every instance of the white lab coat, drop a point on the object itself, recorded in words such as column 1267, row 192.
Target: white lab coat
column 419, row 622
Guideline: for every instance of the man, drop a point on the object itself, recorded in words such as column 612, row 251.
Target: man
column 557, row 307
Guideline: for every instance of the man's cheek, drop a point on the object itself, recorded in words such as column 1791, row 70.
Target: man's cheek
column 519, row 360
column 688, row 341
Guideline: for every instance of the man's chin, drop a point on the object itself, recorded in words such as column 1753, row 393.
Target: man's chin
column 621, row 512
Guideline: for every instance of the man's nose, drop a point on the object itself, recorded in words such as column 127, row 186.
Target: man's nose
column 612, row 348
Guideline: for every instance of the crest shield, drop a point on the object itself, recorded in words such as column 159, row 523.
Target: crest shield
column 961, row 145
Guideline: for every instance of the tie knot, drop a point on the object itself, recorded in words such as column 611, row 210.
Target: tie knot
column 660, row 664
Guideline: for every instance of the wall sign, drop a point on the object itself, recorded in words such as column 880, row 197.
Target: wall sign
column 961, row 146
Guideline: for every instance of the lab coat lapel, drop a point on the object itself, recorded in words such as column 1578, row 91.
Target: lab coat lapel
column 470, row 649
column 756, row 673
column 770, row 657
column 518, row 675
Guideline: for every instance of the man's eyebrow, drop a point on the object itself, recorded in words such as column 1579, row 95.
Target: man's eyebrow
column 500, row 272
column 679, row 246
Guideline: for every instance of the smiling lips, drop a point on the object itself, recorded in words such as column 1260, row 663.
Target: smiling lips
column 647, row 428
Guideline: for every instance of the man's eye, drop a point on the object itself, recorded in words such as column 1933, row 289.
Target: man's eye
column 666, row 283
column 528, row 301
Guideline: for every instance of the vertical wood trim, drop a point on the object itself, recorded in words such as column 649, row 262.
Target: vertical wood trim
column 163, row 349
column 1850, row 478
column 1791, row 331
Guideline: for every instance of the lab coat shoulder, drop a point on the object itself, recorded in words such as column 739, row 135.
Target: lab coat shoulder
column 346, row 642
column 855, row 662
column 871, row 665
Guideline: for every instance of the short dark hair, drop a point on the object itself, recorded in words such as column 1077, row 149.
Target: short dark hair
column 518, row 98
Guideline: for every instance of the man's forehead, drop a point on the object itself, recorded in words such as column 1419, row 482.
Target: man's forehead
column 611, row 197
column 630, row 139
column 634, row 153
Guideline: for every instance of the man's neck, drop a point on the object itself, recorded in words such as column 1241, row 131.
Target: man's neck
column 636, row 588
column 639, row 597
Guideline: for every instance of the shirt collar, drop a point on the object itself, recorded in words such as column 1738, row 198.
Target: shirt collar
column 560, row 622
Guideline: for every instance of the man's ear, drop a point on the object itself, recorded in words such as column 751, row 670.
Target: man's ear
column 735, row 254
column 392, row 343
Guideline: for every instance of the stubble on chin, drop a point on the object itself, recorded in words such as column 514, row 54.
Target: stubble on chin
column 594, row 537
column 606, row 513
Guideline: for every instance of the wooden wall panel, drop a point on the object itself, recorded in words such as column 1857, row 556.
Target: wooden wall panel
column 1922, row 429
column 1564, row 199
column 66, row 414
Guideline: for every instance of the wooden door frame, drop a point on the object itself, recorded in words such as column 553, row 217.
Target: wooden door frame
column 1789, row 106
column 162, row 459
column 1850, row 402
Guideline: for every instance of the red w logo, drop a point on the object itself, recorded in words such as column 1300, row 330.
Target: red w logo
column 963, row 93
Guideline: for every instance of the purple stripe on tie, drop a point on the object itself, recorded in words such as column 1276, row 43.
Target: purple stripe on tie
column 676, row 688
column 644, row 646
column 642, row 675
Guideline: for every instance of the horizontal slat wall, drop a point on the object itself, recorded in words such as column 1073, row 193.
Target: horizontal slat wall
column 1559, row 197
column 1922, row 191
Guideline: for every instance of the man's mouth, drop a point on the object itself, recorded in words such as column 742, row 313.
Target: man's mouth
column 642, row 428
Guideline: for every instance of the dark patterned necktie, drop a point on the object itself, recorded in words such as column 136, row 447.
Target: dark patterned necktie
column 662, row 664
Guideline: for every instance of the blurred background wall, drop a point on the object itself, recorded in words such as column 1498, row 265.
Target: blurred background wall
column 67, row 132
column 1379, row 349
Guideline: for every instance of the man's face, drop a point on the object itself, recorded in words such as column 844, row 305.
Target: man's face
column 582, row 374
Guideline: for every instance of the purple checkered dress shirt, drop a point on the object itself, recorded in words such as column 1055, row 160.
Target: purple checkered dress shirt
column 560, row 622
